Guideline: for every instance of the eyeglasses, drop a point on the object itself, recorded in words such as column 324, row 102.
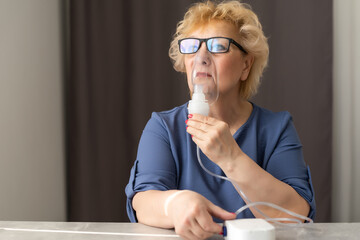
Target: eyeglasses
column 213, row 45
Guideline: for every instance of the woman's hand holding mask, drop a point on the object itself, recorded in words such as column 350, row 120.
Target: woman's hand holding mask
column 213, row 138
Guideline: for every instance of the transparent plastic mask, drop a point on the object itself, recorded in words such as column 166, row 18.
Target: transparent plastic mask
column 204, row 82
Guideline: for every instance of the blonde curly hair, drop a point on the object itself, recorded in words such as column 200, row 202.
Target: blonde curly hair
column 250, row 31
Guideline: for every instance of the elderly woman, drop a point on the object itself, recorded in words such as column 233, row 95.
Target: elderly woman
column 258, row 149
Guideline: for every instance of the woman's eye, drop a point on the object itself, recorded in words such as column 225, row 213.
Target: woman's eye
column 218, row 47
column 193, row 48
column 189, row 48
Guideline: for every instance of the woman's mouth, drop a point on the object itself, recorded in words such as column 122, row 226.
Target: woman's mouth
column 203, row 74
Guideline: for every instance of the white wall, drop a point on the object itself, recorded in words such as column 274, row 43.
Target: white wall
column 346, row 118
column 32, row 183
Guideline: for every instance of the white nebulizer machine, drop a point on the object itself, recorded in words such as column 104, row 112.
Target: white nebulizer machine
column 205, row 92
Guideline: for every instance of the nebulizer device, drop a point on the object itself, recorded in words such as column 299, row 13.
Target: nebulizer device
column 205, row 89
column 205, row 92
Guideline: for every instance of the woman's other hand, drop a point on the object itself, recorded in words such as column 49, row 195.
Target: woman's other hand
column 192, row 215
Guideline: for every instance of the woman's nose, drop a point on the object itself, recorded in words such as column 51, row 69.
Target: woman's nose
column 203, row 55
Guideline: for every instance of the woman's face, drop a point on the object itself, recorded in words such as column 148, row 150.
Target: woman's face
column 232, row 67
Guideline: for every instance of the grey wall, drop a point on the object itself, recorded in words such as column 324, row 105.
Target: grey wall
column 346, row 127
column 31, row 117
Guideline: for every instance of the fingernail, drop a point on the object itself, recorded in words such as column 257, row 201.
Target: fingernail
column 221, row 233
column 186, row 127
column 190, row 116
column 186, row 121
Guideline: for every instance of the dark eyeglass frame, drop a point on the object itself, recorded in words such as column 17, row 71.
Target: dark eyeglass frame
column 207, row 47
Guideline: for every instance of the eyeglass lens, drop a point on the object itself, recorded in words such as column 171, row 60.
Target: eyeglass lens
column 214, row 45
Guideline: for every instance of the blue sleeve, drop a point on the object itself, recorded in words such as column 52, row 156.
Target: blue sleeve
column 154, row 167
column 287, row 164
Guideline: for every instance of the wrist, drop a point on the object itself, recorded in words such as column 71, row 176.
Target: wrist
column 169, row 200
column 232, row 162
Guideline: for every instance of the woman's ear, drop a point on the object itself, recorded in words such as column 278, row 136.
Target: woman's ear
column 248, row 62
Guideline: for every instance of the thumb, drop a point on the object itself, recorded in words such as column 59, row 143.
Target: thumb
column 221, row 213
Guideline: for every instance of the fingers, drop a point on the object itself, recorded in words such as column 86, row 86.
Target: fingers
column 188, row 233
column 200, row 127
column 204, row 119
column 199, row 227
column 221, row 213
column 211, row 135
column 196, row 125
column 204, row 124
column 203, row 226
column 196, row 133
column 207, row 224
column 196, row 222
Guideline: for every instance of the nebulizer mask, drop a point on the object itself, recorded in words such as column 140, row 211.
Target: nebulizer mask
column 204, row 83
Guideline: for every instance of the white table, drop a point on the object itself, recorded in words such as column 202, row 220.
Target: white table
column 12, row 230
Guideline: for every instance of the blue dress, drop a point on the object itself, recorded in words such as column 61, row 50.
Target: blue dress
column 166, row 159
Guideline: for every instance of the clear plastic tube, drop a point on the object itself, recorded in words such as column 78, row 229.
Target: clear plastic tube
column 254, row 204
